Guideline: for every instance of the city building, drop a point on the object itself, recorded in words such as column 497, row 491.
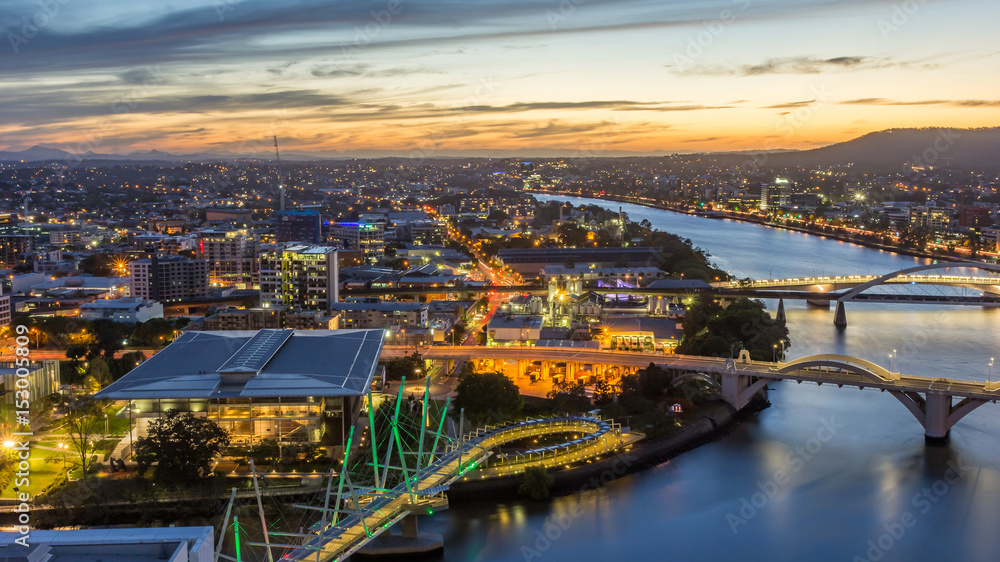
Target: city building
column 168, row 278
column 131, row 310
column 303, row 227
column 43, row 380
column 530, row 261
column 630, row 333
column 422, row 231
column 286, row 385
column 134, row 544
column 507, row 329
column 776, row 194
column 15, row 249
column 5, row 310
column 930, row 217
column 234, row 214
column 73, row 237
column 373, row 313
column 975, row 217
column 277, row 317
column 55, row 261
column 369, row 238
column 233, row 257
column 300, row 277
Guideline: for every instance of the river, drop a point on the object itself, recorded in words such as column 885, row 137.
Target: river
column 824, row 474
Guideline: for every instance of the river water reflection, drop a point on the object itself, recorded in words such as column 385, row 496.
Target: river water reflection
column 823, row 474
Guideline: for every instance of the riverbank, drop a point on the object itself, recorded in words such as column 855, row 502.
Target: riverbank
column 717, row 420
column 723, row 214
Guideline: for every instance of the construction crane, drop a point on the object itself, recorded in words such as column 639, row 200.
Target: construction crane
column 281, row 186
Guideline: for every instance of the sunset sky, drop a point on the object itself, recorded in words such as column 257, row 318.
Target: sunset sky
column 636, row 76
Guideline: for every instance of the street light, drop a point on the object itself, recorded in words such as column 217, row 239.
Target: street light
column 774, row 353
column 63, row 446
column 990, row 378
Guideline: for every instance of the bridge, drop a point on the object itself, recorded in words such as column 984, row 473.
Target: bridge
column 411, row 468
column 855, row 288
column 932, row 401
column 818, row 290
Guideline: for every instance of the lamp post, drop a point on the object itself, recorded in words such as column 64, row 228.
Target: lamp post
column 774, row 353
column 990, row 377
column 63, row 446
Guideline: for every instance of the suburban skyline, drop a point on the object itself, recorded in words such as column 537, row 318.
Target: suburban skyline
column 634, row 76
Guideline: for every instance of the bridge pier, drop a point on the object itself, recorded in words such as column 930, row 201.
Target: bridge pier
column 840, row 316
column 738, row 389
column 411, row 543
column 779, row 316
column 936, row 412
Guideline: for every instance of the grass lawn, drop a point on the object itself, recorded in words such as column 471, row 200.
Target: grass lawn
column 45, row 466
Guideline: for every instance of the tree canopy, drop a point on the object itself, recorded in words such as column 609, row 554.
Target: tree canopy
column 488, row 397
column 182, row 445
column 712, row 330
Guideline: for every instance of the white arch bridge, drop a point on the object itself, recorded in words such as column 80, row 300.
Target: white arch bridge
column 937, row 403
column 855, row 288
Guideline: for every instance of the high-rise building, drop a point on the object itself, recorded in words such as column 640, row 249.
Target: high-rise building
column 369, row 238
column 299, row 226
column 168, row 278
column 233, row 257
column 15, row 243
column 776, row 194
column 300, row 277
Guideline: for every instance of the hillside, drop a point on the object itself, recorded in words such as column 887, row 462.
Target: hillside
column 892, row 148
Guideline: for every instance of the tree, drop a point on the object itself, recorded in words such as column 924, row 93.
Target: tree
column 604, row 393
column 488, row 397
column 570, row 396
column 571, row 235
column 407, row 367
column 535, row 483
column 75, row 352
column 98, row 368
column 182, row 445
column 83, row 425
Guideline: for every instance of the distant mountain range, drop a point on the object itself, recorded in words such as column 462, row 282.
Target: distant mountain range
column 892, row 148
column 889, row 149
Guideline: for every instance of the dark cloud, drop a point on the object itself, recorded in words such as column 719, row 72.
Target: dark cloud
column 949, row 103
column 791, row 65
column 554, row 128
column 791, row 104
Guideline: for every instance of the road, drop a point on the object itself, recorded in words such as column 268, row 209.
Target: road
column 60, row 354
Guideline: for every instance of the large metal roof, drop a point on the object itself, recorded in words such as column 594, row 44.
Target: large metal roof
column 256, row 364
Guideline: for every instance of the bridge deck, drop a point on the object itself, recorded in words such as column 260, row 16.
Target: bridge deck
column 385, row 509
column 905, row 383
